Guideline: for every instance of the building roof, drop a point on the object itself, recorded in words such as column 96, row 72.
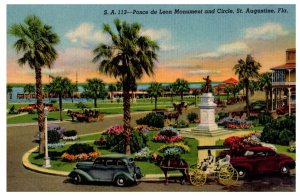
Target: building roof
column 285, row 66
column 231, row 81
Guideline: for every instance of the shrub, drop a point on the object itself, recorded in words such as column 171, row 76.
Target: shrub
column 13, row 110
column 33, row 111
column 101, row 142
column 292, row 146
column 280, row 131
column 143, row 155
column 53, row 101
column 192, row 116
column 181, row 124
column 152, row 119
column 264, row 119
column 70, row 133
column 222, row 115
column 81, row 105
column 53, row 136
column 79, row 149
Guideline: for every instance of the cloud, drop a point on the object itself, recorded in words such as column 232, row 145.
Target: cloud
column 182, row 66
column 86, row 35
column 162, row 36
column 203, row 72
column 234, row 48
column 266, row 31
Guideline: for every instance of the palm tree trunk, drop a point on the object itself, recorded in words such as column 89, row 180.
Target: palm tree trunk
column 126, row 116
column 247, row 96
column 60, row 106
column 40, row 108
column 95, row 102
column 155, row 103
column 181, row 97
column 171, row 97
column 267, row 100
column 195, row 100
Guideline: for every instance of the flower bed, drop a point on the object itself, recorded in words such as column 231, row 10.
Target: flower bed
column 173, row 151
column 235, row 123
column 167, row 135
column 143, row 155
column 80, row 152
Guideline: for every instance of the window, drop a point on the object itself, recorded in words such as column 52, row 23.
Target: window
column 121, row 162
column 249, row 153
column 110, row 162
column 261, row 154
column 271, row 153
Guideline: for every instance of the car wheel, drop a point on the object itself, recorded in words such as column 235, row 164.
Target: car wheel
column 120, row 180
column 242, row 173
column 285, row 170
column 76, row 178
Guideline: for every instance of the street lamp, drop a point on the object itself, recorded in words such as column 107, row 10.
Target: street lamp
column 46, row 159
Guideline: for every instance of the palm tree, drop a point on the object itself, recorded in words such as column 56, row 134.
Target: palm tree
column 111, row 88
column 265, row 81
column 235, row 90
column 9, row 90
column 247, row 70
column 60, row 87
column 36, row 41
column 128, row 57
column 29, row 88
column 72, row 89
column 95, row 88
column 181, row 86
column 155, row 90
column 253, row 86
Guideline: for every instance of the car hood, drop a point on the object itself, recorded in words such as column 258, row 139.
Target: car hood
column 283, row 156
column 84, row 165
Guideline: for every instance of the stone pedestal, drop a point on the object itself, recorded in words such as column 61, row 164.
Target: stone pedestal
column 207, row 126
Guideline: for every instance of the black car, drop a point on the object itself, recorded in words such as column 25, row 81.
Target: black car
column 116, row 168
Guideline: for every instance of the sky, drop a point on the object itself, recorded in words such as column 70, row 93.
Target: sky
column 192, row 46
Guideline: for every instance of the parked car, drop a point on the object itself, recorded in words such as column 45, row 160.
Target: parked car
column 119, row 169
column 260, row 159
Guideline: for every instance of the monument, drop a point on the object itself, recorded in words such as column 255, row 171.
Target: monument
column 207, row 126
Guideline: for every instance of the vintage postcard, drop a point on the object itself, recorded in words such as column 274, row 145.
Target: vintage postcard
column 151, row 97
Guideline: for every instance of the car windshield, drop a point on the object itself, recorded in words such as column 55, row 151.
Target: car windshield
column 249, row 153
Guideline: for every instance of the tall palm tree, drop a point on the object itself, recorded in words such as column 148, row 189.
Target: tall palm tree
column 60, row 87
column 29, row 88
column 181, row 86
column 9, row 90
column 247, row 70
column 111, row 88
column 265, row 81
column 155, row 90
column 36, row 41
column 94, row 88
column 253, row 86
column 128, row 57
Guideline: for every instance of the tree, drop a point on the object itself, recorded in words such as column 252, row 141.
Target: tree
column 228, row 90
column 72, row 89
column 235, row 90
column 155, row 90
column 29, row 88
column 60, row 87
column 36, row 41
column 111, row 88
column 128, row 57
column 247, row 70
column 265, row 83
column 9, row 90
column 181, row 86
column 253, row 86
column 95, row 88
column 195, row 92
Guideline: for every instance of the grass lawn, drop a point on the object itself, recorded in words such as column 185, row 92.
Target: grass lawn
column 146, row 167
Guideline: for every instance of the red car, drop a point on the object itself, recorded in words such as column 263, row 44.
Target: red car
column 261, row 159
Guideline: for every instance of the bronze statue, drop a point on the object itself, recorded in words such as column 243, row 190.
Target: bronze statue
column 207, row 86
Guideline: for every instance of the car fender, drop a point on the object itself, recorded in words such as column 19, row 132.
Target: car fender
column 291, row 164
column 125, row 174
column 81, row 173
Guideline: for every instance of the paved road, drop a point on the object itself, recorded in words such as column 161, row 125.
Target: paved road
column 20, row 179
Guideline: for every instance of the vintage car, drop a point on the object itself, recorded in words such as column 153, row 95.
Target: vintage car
column 261, row 159
column 117, row 168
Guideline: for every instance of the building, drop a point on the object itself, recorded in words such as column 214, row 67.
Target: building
column 284, row 83
column 220, row 88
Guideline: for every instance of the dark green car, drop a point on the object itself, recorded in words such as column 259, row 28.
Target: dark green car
column 116, row 168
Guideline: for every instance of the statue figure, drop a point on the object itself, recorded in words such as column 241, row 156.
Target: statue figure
column 207, row 86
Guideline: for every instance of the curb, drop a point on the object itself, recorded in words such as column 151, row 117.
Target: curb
column 30, row 166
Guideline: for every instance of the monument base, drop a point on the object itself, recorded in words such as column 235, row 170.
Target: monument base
column 199, row 131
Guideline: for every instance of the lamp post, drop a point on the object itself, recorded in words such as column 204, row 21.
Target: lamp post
column 46, row 159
